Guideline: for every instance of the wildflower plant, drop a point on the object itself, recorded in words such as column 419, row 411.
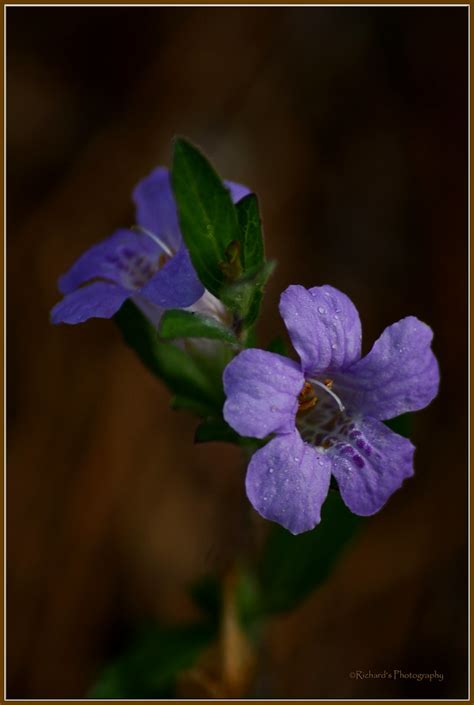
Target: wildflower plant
column 185, row 285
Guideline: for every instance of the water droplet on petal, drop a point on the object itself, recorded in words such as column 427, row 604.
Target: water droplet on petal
column 334, row 346
column 296, row 459
column 270, row 469
column 321, row 309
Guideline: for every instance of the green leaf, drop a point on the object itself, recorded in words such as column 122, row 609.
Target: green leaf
column 149, row 666
column 252, row 249
column 403, row 425
column 225, row 241
column 177, row 323
column 177, row 368
column 294, row 566
column 278, row 345
column 207, row 215
column 216, row 430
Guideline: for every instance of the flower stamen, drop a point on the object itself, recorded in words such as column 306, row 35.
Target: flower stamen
column 327, row 386
column 307, row 399
column 166, row 248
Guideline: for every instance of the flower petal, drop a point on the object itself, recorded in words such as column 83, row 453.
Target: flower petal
column 156, row 207
column 399, row 374
column 114, row 259
column 324, row 327
column 262, row 393
column 370, row 464
column 174, row 285
column 97, row 300
column 287, row 482
column 237, row 191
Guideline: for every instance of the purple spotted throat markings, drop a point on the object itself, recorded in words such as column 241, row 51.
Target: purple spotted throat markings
column 325, row 414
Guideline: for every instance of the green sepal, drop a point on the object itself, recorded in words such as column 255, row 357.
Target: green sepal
column 251, row 238
column 247, row 294
column 177, row 323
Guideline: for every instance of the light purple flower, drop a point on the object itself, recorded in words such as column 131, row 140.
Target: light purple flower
column 148, row 263
column 327, row 410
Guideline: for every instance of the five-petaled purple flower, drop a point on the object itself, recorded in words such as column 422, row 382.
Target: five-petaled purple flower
column 148, row 263
column 326, row 412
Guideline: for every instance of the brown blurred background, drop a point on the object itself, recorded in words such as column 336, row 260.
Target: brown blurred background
column 350, row 124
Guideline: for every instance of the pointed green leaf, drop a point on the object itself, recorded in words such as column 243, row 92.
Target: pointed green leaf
column 293, row 566
column 207, row 216
column 177, row 323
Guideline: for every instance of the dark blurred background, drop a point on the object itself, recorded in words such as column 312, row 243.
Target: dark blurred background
column 351, row 125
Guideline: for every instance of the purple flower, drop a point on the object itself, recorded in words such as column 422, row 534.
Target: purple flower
column 326, row 411
column 148, row 263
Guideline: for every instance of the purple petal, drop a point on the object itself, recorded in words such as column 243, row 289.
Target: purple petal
column 175, row 284
column 156, row 207
column 97, row 300
column 237, row 191
column 287, row 482
column 399, row 374
column 370, row 465
column 262, row 393
column 324, row 327
column 114, row 259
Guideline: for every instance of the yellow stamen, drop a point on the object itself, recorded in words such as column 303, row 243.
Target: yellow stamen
column 307, row 399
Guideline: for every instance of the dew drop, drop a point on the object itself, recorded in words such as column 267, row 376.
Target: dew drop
column 334, row 346
column 296, row 459
column 270, row 469
column 321, row 309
